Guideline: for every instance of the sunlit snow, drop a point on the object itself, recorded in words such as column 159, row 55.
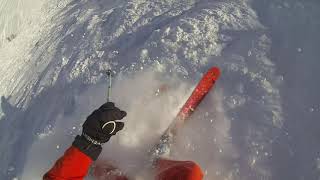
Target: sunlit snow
column 260, row 122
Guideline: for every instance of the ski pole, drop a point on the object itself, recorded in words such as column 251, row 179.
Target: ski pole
column 113, row 123
column 109, row 74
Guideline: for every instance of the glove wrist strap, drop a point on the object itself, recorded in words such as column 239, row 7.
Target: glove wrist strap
column 85, row 146
column 88, row 138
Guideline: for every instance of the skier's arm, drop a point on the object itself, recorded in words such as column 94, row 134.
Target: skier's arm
column 97, row 129
column 74, row 165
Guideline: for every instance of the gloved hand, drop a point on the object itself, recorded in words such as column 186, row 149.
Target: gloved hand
column 98, row 129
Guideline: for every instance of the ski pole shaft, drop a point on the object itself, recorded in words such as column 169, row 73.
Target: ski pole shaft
column 109, row 74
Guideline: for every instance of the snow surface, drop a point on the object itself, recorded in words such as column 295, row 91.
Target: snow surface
column 261, row 122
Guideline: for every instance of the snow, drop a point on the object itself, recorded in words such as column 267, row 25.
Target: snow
column 16, row 15
column 259, row 123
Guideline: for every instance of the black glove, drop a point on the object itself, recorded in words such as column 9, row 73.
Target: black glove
column 98, row 129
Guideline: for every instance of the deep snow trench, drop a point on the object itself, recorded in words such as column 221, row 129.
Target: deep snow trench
column 55, row 54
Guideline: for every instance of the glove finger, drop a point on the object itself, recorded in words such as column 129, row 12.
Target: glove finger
column 107, row 116
column 113, row 115
column 123, row 114
column 119, row 127
column 119, row 114
column 107, row 106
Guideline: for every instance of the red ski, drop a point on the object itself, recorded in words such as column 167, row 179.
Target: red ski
column 201, row 90
column 162, row 148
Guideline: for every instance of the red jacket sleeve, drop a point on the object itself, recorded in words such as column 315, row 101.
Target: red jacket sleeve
column 73, row 165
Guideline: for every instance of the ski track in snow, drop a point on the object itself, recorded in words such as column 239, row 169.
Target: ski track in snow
column 53, row 77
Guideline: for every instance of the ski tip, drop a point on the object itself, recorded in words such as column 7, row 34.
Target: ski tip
column 214, row 72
